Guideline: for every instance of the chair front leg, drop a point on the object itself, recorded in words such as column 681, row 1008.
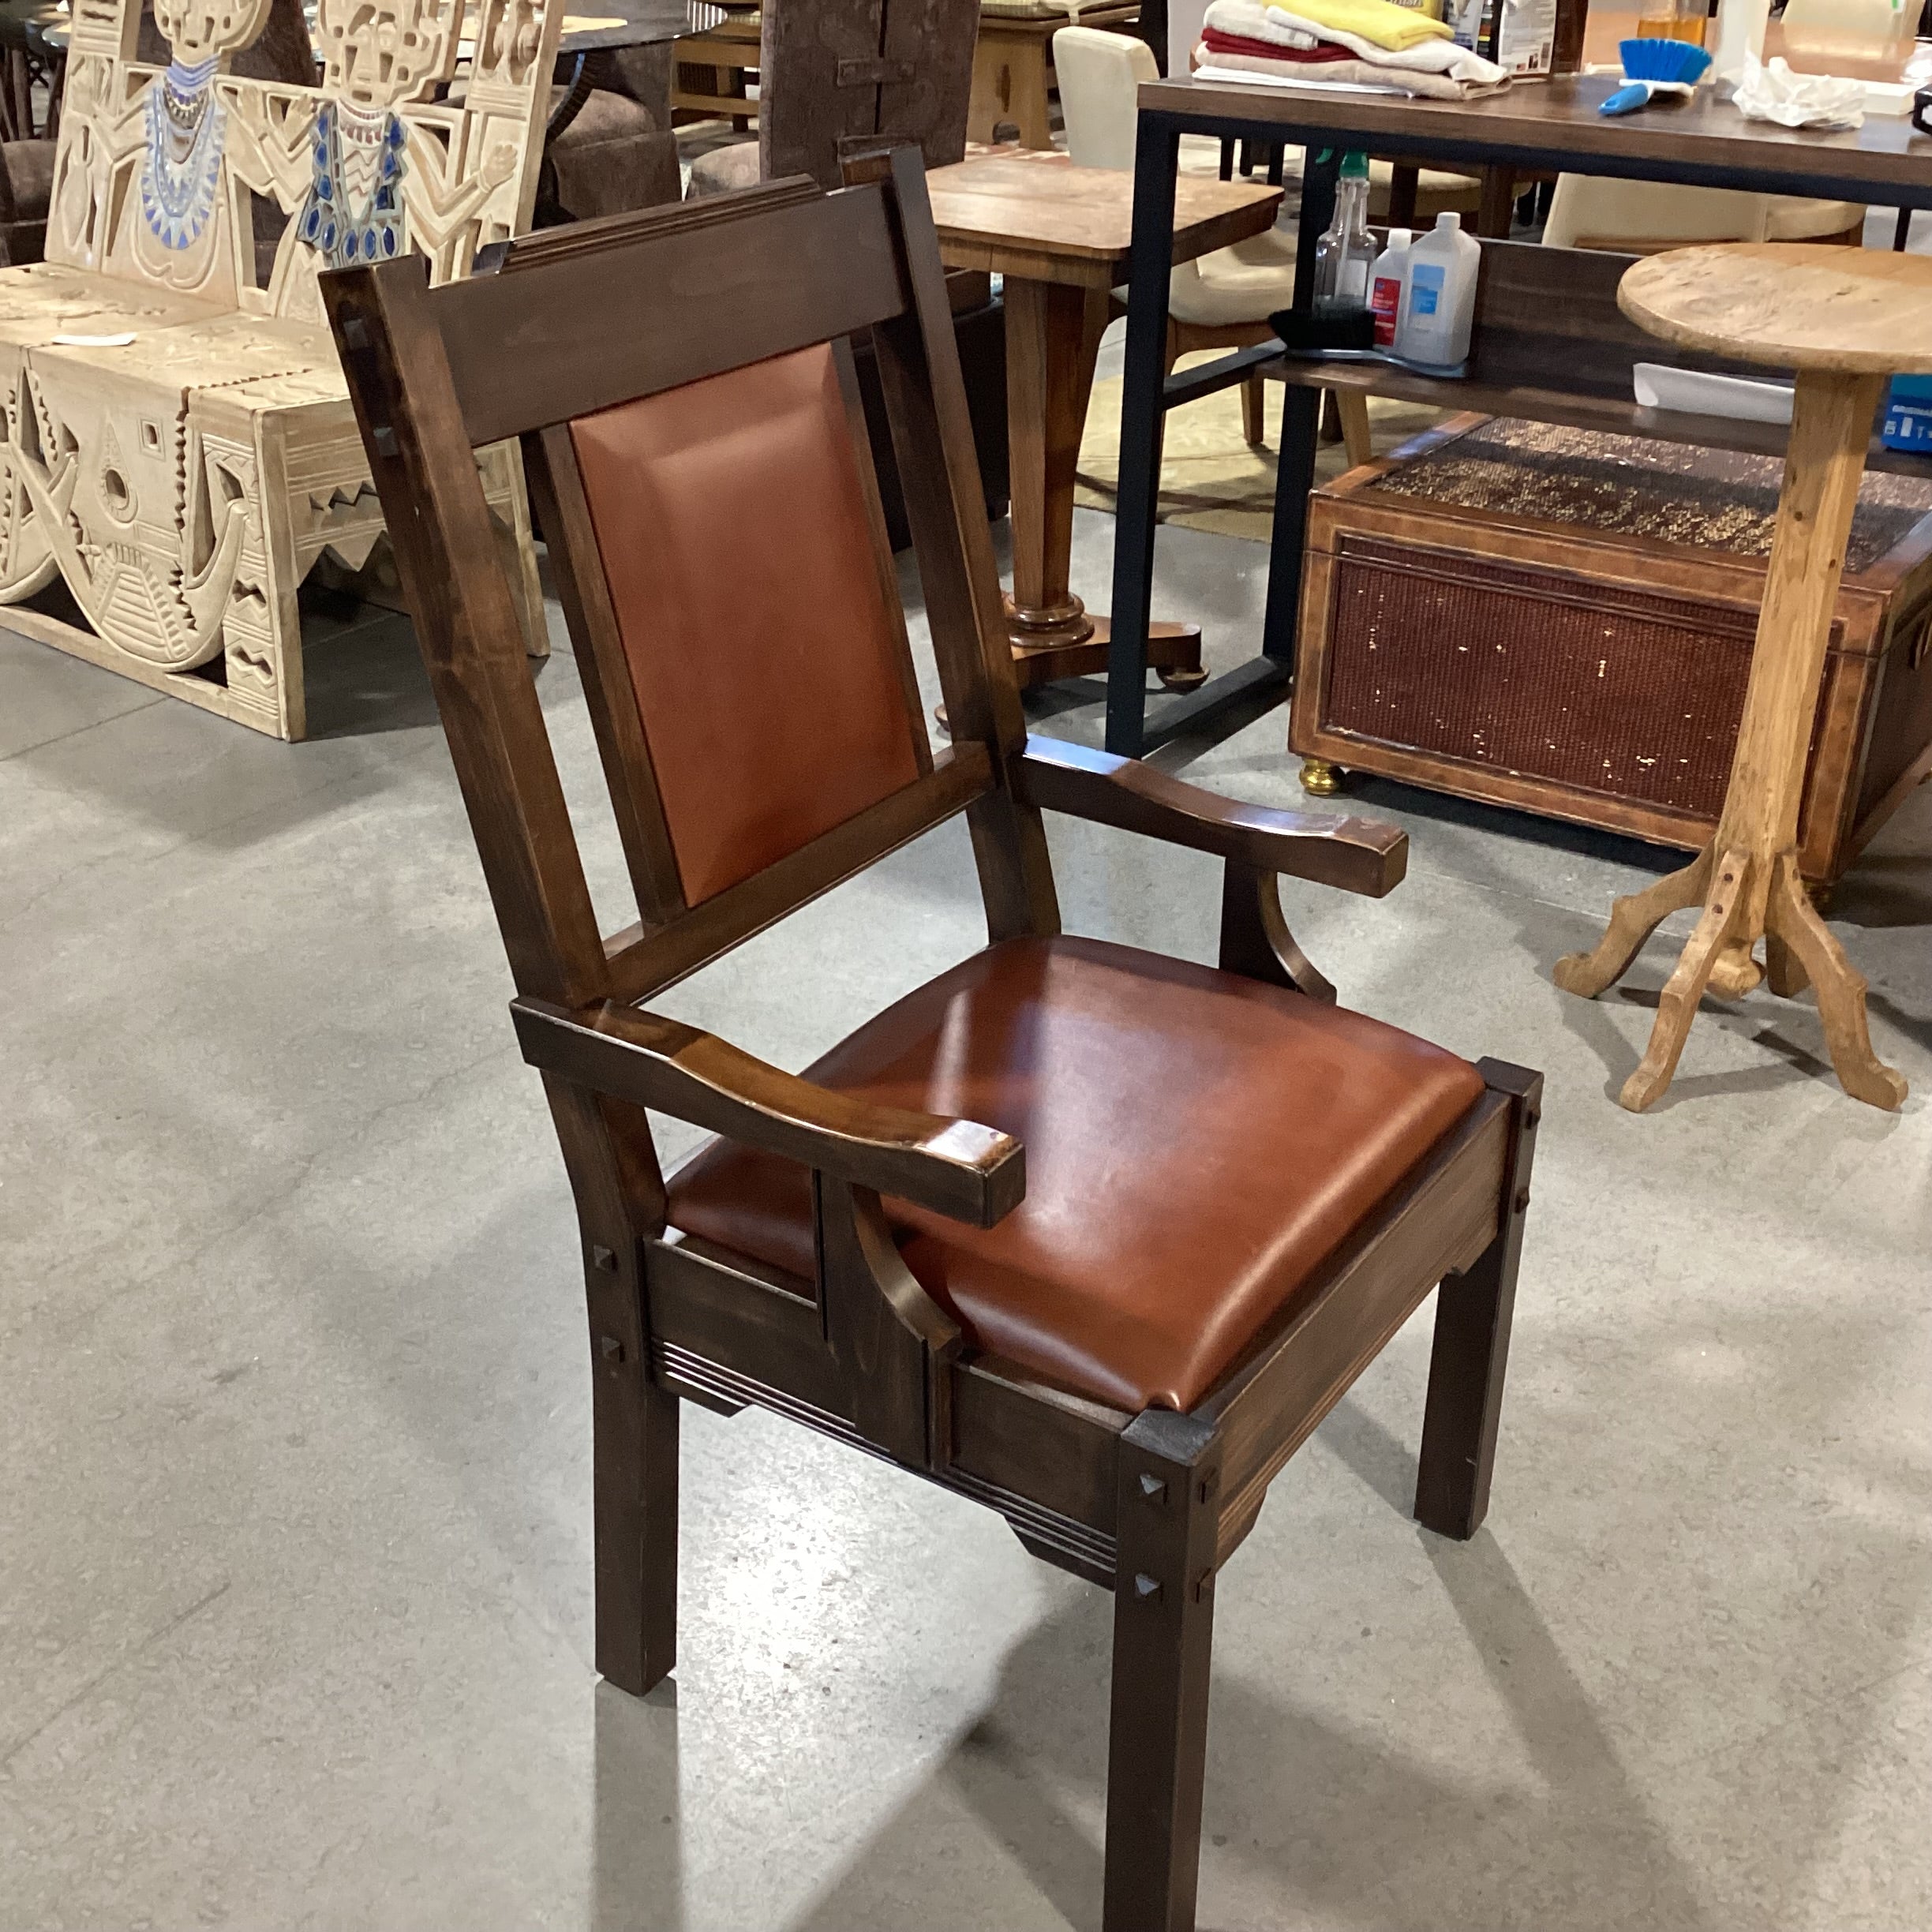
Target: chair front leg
column 1471, row 1350
column 635, row 1450
column 613, row 1173
column 1163, row 1630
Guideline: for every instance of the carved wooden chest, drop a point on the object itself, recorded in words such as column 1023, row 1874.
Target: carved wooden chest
column 1561, row 621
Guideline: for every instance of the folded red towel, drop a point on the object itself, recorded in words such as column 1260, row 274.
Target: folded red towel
column 1216, row 42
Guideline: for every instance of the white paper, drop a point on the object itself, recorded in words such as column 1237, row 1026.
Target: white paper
column 1773, row 92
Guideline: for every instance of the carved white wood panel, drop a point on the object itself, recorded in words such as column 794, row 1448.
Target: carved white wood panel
column 153, row 319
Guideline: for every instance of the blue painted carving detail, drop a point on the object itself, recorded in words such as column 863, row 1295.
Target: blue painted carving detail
column 339, row 232
column 186, row 125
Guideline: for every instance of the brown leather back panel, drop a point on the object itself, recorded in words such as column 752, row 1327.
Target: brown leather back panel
column 731, row 518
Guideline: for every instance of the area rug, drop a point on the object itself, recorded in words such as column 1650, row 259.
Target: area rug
column 1210, row 480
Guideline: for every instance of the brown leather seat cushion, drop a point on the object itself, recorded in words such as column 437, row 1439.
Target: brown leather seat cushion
column 1197, row 1145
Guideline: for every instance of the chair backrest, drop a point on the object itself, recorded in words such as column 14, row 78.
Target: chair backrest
column 166, row 178
column 1640, row 218
column 1100, row 77
column 841, row 70
column 682, row 382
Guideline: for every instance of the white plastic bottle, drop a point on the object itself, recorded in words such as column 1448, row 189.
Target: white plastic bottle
column 1385, row 285
column 1439, row 300
column 1740, row 31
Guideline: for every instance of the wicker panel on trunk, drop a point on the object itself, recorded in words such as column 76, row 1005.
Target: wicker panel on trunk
column 1535, row 671
column 1561, row 621
column 1631, row 486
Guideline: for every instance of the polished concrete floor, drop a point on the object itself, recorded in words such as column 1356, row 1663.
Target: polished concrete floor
column 294, row 1527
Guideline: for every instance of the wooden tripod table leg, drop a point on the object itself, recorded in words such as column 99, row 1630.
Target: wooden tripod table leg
column 1053, row 340
column 1752, row 890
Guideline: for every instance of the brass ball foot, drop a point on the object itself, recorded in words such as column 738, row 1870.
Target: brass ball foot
column 1320, row 779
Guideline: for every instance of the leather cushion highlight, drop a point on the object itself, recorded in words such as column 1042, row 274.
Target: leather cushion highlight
column 1197, row 1145
column 750, row 597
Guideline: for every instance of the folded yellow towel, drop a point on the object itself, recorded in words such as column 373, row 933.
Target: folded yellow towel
column 1380, row 22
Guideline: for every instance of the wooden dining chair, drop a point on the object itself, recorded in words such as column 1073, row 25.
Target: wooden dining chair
column 1092, row 1237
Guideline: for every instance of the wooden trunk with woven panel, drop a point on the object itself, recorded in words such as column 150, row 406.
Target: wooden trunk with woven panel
column 1561, row 621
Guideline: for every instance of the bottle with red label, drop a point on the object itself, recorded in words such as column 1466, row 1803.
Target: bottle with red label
column 1385, row 285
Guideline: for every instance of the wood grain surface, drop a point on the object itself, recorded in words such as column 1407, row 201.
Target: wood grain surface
column 1849, row 311
column 1036, row 215
column 1556, row 122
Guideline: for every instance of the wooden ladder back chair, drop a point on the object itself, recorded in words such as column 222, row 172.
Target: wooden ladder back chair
column 1237, row 1192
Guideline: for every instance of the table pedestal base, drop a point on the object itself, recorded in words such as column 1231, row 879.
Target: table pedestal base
column 1745, row 898
column 1069, row 643
column 1747, row 877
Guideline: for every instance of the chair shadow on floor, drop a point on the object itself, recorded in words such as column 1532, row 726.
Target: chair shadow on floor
column 1333, row 1830
column 638, row 1824
column 1353, row 1837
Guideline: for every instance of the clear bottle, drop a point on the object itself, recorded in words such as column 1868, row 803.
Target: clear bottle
column 1346, row 248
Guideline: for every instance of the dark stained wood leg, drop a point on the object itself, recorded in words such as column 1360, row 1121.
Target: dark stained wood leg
column 1163, row 1629
column 1404, row 177
column 619, row 1193
column 635, row 1449
column 1497, row 209
column 1053, row 339
column 1254, row 412
column 1471, row 1351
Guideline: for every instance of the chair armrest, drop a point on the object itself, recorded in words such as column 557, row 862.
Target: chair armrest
column 953, row 1167
column 1358, row 855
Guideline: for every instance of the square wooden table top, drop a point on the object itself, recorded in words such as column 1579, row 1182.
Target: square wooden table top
column 1030, row 213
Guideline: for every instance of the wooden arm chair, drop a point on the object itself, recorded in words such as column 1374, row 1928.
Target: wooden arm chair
column 1092, row 1237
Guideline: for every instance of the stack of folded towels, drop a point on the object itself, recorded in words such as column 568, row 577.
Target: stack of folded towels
column 1358, row 43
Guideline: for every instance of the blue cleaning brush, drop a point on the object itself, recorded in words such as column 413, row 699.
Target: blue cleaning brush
column 1655, row 67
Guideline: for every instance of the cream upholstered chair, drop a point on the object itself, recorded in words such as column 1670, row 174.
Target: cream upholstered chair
column 1221, row 301
column 1637, row 217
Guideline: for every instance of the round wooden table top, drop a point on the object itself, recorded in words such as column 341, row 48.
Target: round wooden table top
column 1799, row 305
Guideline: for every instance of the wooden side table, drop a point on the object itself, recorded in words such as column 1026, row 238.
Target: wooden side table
column 1013, row 69
column 729, row 51
column 1844, row 319
column 1060, row 235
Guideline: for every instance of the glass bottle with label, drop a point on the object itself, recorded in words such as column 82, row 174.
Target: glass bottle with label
column 1346, row 248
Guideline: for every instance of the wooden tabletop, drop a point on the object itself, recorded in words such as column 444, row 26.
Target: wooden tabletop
column 1030, row 213
column 1819, row 307
column 1554, row 124
column 1047, row 25
column 591, row 25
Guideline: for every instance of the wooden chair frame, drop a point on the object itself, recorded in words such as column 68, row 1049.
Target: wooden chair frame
column 1149, row 1506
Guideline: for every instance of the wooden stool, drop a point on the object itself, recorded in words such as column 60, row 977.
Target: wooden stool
column 1845, row 319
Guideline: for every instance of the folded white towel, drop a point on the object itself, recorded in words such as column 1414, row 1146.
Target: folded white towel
column 1285, row 28
column 1355, row 76
column 1253, row 76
